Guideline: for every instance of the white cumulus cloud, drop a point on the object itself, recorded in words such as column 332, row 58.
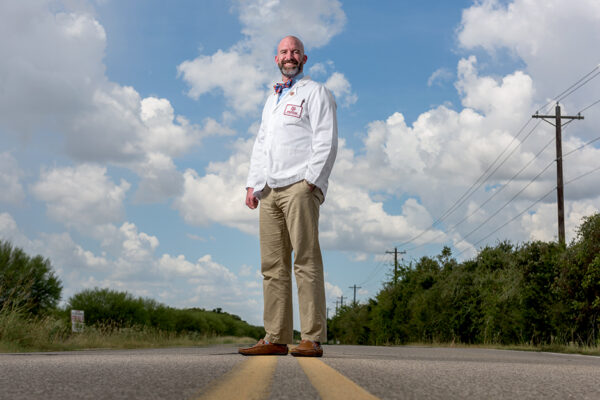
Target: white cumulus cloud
column 264, row 23
column 341, row 88
column 10, row 174
column 81, row 196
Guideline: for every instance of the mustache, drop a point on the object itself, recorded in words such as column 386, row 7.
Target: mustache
column 293, row 62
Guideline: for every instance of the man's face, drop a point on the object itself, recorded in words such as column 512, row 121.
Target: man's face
column 290, row 57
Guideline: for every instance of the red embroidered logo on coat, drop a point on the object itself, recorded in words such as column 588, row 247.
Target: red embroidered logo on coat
column 293, row 110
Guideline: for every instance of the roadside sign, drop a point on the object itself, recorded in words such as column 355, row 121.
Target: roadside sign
column 77, row 321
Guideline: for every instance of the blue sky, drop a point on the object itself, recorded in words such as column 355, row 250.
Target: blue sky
column 127, row 126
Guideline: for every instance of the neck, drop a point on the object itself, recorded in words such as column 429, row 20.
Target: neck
column 285, row 78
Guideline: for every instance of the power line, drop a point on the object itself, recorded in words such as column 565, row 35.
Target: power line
column 560, row 184
column 374, row 272
column 581, row 147
column 578, row 87
column 582, row 175
column 511, row 220
column 591, row 105
column 564, row 94
column 469, row 191
column 453, row 227
column 477, row 184
column 559, row 98
column 508, row 202
column 501, row 164
column 536, row 202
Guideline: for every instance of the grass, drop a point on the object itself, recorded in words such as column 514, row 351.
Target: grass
column 571, row 348
column 20, row 333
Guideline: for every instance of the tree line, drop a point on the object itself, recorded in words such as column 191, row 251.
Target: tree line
column 29, row 286
column 532, row 293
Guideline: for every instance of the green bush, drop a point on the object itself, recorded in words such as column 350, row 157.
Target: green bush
column 113, row 309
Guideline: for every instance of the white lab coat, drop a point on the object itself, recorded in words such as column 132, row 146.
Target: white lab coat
column 297, row 139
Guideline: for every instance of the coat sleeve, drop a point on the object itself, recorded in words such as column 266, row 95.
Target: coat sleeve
column 256, row 174
column 323, row 119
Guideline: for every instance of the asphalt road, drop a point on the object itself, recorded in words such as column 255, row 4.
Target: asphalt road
column 344, row 372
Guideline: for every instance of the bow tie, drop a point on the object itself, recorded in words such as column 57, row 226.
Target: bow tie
column 279, row 87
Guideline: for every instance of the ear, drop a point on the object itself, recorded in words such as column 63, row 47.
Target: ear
column 277, row 59
column 305, row 58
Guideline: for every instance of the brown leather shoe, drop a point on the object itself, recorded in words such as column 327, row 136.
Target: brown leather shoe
column 307, row 348
column 263, row 348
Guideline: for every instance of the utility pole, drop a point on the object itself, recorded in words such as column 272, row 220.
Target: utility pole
column 560, row 198
column 395, row 252
column 327, row 313
column 355, row 287
column 342, row 301
column 336, row 306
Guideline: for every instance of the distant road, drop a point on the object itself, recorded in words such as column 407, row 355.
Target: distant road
column 345, row 372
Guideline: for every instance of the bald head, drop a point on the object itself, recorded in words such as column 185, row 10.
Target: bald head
column 292, row 39
column 290, row 57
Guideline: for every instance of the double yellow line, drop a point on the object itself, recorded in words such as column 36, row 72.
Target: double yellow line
column 252, row 379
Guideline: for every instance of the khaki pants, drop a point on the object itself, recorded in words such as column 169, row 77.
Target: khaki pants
column 289, row 220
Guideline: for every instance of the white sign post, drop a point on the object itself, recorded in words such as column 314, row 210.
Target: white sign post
column 77, row 321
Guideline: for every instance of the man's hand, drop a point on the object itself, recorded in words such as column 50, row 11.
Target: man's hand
column 251, row 201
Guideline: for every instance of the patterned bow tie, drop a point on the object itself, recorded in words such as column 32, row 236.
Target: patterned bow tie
column 279, row 87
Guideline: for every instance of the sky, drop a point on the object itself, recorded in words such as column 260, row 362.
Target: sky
column 126, row 130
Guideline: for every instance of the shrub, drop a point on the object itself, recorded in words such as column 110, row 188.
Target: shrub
column 112, row 308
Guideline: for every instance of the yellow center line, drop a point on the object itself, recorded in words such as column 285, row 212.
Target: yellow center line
column 251, row 379
column 330, row 384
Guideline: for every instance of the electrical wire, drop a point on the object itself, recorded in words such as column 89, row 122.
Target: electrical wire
column 591, row 141
column 508, row 202
column 581, row 176
column 591, row 105
column 578, row 87
column 374, row 272
column 509, row 221
column 477, row 184
column 528, row 208
column 470, row 190
column 516, row 175
column 557, row 97
column 581, row 147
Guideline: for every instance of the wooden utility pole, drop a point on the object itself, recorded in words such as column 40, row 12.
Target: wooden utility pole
column 354, row 287
column 560, row 197
column 395, row 252
column 342, row 301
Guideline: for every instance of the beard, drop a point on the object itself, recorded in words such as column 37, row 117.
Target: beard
column 290, row 69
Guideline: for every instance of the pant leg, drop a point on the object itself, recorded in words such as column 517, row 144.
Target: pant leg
column 276, row 266
column 301, row 209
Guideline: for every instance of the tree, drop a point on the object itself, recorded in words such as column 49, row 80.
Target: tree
column 27, row 282
column 578, row 283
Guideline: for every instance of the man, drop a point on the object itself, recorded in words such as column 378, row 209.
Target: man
column 290, row 166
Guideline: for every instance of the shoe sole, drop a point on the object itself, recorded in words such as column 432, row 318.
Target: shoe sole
column 306, row 355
